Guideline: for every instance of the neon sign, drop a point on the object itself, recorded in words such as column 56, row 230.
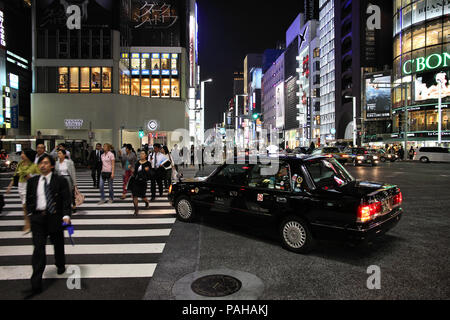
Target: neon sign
column 431, row 62
column 2, row 30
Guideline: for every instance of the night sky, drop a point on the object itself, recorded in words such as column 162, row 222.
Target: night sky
column 228, row 31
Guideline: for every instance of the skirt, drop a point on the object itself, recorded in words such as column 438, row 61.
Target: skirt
column 22, row 189
column 138, row 188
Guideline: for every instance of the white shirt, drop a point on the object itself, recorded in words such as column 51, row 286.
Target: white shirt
column 41, row 204
column 63, row 168
column 160, row 159
column 36, row 160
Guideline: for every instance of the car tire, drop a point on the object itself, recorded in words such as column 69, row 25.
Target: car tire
column 424, row 160
column 296, row 236
column 185, row 209
column 383, row 159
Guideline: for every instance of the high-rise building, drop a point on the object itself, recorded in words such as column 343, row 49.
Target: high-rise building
column 354, row 41
column 272, row 96
column 327, row 71
column 15, row 68
column 127, row 66
column 421, row 52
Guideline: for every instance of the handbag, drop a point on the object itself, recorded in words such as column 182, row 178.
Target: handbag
column 79, row 197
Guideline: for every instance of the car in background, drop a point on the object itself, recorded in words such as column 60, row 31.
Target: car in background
column 434, row 154
column 306, row 198
column 384, row 156
column 332, row 152
column 301, row 150
column 362, row 156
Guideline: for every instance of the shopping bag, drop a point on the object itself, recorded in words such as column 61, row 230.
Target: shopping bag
column 79, row 198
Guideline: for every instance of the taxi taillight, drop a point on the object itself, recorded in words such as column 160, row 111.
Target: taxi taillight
column 368, row 212
column 398, row 199
column 170, row 189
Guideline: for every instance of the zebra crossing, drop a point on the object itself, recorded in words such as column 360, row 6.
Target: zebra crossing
column 110, row 242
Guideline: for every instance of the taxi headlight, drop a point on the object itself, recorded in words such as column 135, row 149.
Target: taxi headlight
column 360, row 158
column 8, row 163
column 375, row 158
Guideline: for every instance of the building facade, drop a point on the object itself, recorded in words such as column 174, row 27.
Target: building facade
column 421, row 51
column 129, row 67
column 272, row 96
column 15, row 67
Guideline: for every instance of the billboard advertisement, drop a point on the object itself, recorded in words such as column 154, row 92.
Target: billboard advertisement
column 279, row 105
column 426, row 86
column 378, row 97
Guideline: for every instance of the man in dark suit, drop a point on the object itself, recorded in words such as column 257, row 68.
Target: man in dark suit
column 95, row 164
column 48, row 204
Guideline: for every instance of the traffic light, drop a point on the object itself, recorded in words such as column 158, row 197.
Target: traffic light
column 256, row 116
column 141, row 133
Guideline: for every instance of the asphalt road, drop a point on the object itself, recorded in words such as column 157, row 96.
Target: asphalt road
column 413, row 257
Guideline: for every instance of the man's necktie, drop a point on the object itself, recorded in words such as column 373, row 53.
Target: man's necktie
column 154, row 166
column 49, row 197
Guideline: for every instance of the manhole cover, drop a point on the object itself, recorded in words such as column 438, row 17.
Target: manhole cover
column 216, row 286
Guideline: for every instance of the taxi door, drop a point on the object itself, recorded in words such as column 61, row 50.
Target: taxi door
column 268, row 191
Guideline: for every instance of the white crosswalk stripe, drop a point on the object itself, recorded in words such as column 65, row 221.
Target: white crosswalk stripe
column 130, row 246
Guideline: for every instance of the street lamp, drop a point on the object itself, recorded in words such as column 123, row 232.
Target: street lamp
column 441, row 81
column 201, row 134
column 354, row 119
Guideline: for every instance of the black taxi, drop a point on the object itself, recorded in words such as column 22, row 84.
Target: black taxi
column 308, row 197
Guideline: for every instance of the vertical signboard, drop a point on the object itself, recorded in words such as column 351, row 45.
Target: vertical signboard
column 14, row 101
column 279, row 98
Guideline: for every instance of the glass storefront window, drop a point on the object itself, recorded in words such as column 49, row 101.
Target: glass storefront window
column 431, row 120
column 419, row 37
column 146, row 62
column 106, row 78
column 447, row 30
column 417, row 121
column 418, row 11
column 433, row 50
column 124, row 83
column 397, row 47
column 145, row 88
column 397, row 5
column 407, row 17
column 135, row 87
column 85, row 73
column 125, row 60
column 135, row 63
column 95, row 80
column 156, row 64
column 63, row 80
column 166, row 88
column 165, row 61
column 406, row 42
column 175, row 88
column 434, row 33
column 156, row 88
column 74, row 79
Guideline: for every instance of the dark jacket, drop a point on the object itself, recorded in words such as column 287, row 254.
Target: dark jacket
column 62, row 196
column 93, row 159
column 143, row 175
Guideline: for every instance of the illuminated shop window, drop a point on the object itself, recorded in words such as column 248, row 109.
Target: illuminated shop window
column 85, row 72
column 419, row 37
column 175, row 88
column 74, row 78
column 135, row 87
column 166, row 88
column 124, row 83
column 63, row 80
column 95, row 80
column 125, row 60
column 165, row 61
column 156, row 88
column 135, row 63
column 106, row 79
column 434, row 33
column 145, row 90
column 146, row 63
column 156, row 63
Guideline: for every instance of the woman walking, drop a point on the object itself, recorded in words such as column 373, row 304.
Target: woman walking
column 139, row 181
column 168, row 177
column 66, row 168
column 108, row 172
column 26, row 169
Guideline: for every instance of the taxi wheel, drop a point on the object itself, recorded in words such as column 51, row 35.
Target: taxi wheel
column 383, row 159
column 296, row 235
column 13, row 166
column 185, row 210
column 424, row 160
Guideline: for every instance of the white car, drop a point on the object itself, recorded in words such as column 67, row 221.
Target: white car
column 437, row 154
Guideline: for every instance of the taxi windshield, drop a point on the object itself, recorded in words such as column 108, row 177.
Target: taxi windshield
column 328, row 173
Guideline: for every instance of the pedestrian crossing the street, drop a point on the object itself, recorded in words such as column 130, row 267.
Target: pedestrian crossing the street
column 110, row 242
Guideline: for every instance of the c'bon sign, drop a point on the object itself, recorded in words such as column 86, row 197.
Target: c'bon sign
column 430, row 62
